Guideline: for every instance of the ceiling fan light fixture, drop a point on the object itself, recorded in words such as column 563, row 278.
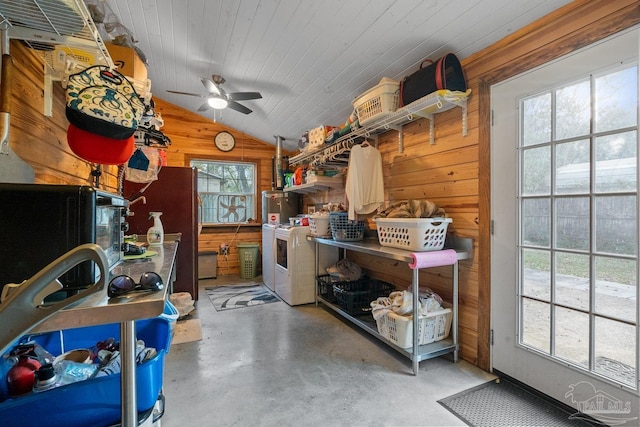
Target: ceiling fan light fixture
column 217, row 102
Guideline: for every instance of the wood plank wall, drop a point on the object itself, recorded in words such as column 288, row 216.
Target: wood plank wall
column 192, row 138
column 454, row 172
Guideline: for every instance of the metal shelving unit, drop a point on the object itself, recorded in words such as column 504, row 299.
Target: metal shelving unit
column 337, row 153
column 417, row 353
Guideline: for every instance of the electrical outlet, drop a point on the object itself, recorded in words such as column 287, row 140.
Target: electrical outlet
column 224, row 249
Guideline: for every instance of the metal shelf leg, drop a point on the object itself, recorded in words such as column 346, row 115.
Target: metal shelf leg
column 128, row 374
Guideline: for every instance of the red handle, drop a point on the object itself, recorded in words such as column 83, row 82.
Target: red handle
column 426, row 60
column 441, row 79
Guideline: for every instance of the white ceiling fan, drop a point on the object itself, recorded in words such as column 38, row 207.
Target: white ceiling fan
column 218, row 99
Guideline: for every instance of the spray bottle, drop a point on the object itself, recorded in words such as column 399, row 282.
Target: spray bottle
column 155, row 234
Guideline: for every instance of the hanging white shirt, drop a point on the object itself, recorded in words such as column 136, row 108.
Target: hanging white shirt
column 364, row 187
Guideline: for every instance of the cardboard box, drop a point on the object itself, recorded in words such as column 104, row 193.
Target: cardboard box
column 127, row 61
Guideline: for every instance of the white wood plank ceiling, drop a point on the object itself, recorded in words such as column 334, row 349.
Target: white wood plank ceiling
column 308, row 58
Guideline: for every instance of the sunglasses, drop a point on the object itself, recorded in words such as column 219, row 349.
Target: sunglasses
column 123, row 284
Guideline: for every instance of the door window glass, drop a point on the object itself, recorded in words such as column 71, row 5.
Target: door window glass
column 578, row 216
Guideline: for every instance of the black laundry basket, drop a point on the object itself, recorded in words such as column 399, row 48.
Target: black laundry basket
column 355, row 297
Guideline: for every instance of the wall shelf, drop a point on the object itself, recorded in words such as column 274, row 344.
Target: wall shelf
column 313, row 187
column 337, row 153
column 62, row 30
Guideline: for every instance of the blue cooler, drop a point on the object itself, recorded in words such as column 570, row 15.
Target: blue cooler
column 94, row 402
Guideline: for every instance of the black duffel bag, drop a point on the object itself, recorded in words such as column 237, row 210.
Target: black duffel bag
column 445, row 73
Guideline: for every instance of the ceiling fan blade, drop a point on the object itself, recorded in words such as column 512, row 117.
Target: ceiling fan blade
column 185, row 93
column 204, row 107
column 238, row 107
column 210, row 86
column 244, row 96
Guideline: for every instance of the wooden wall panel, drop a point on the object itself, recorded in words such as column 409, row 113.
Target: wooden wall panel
column 192, row 138
column 211, row 238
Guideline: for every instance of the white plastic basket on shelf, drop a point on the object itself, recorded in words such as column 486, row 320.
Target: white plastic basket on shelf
column 380, row 100
column 432, row 327
column 319, row 225
column 413, row 234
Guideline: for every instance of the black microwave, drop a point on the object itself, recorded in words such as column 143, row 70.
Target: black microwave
column 40, row 222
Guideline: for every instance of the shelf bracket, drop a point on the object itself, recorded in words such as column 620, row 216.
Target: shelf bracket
column 400, row 137
column 432, row 130
column 464, row 117
column 48, row 93
column 375, row 140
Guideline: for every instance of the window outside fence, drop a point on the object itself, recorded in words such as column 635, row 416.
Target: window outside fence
column 227, row 191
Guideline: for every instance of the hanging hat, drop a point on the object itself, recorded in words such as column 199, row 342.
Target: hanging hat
column 99, row 149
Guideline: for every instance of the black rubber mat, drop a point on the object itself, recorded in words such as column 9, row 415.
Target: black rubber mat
column 504, row 403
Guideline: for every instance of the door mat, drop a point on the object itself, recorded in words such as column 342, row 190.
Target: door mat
column 238, row 296
column 504, row 403
column 187, row 331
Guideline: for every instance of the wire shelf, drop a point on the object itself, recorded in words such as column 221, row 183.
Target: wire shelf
column 337, row 153
column 62, row 29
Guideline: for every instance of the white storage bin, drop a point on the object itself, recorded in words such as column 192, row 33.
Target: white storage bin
column 413, row 234
column 432, row 327
column 208, row 265
column 319, row 225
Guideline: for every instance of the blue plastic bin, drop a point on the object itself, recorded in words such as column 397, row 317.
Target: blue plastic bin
column 94, row 402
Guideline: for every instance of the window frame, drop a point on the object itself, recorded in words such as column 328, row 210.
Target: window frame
column 552, row 247
column 250, row 216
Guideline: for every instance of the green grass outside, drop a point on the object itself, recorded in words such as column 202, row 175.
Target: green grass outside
column 614, row 270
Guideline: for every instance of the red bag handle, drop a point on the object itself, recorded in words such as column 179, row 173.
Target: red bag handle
column 441, row 78
column 426, row 60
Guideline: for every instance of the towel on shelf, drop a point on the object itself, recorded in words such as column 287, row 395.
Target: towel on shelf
column 401, row 303
column 412, row 209
column 345, row 271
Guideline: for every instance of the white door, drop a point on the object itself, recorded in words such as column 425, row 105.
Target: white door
column 564, row 197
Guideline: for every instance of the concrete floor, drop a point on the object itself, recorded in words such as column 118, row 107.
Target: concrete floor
column 277, row 365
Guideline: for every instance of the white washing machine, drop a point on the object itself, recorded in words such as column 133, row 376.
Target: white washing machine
column 269, row 255
column 295, row 275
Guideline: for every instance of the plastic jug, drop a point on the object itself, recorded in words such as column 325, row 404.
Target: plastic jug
column 155, row 234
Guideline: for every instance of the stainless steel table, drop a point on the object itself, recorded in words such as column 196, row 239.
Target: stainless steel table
column 462, row 247
column 99, row 309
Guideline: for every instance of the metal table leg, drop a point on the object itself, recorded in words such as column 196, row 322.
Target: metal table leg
column 128, row 374
column 416, row 303
column 455, row 312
